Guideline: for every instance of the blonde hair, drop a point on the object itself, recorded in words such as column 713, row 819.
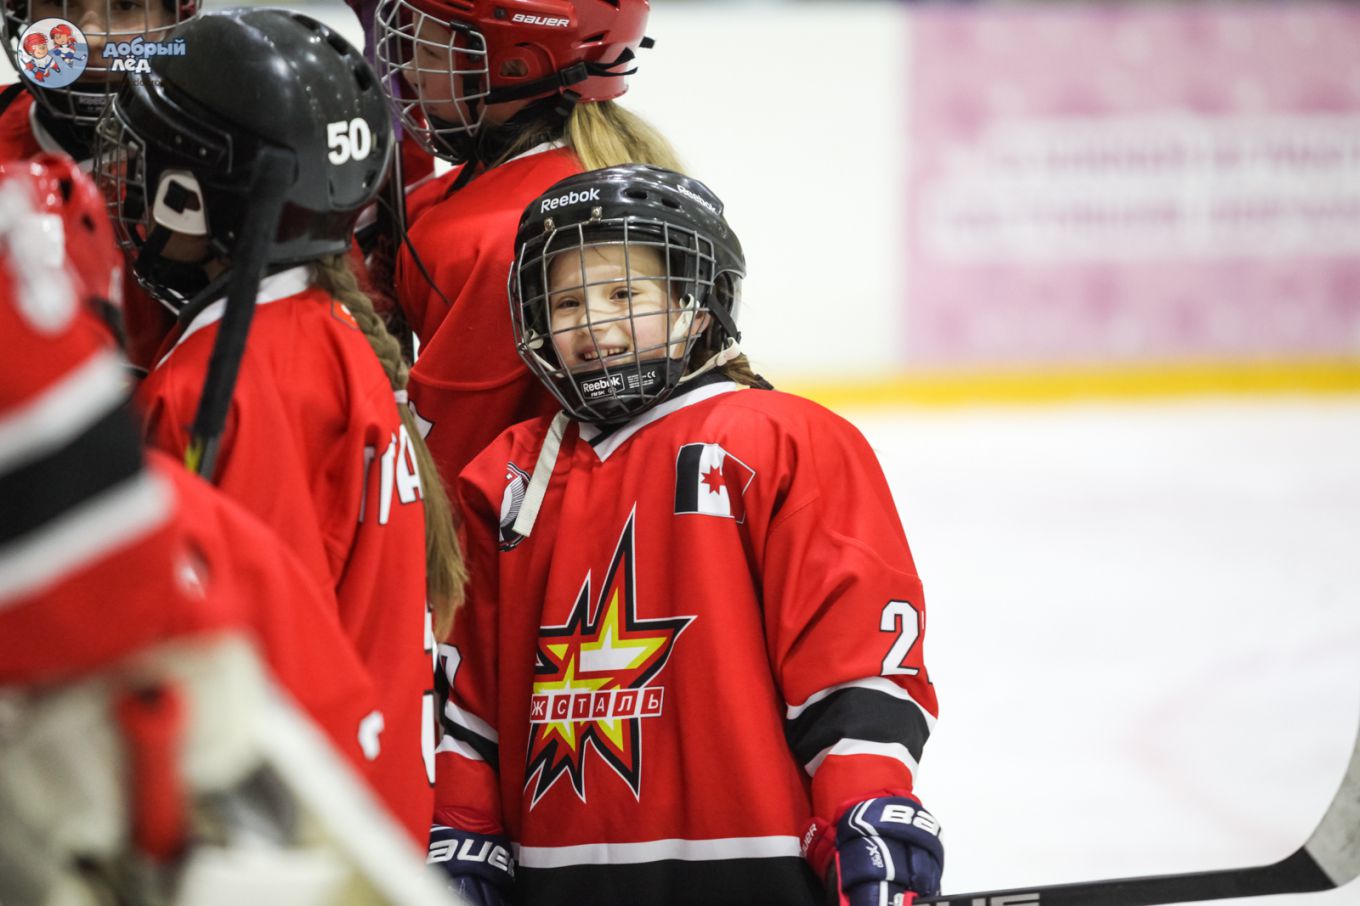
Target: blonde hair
column 445, row 572
column 740, row 371
column 604, row 134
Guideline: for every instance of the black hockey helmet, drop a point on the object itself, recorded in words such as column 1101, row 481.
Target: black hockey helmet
column 663, row 231
column 179, row 150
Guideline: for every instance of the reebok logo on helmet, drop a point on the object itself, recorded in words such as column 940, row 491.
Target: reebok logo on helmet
column 695, row 197
column 526, row 19
column 573, row 197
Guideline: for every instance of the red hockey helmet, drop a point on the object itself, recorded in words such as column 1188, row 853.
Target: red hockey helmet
column 82, row 246
column 457, row 57
column 62, row 30
column 33, row 41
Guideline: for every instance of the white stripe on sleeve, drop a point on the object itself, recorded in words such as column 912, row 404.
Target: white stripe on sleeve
column 893, row 750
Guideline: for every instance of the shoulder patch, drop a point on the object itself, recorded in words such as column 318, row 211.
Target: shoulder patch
column 710, row 481
column 342, row 314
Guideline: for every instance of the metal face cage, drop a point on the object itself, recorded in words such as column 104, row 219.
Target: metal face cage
column 436, row 73
column 120, row 172
column 607, row 313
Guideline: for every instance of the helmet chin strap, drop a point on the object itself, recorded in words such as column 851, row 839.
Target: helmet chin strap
column 175, row 284
column 680, row 332
column 731, row 349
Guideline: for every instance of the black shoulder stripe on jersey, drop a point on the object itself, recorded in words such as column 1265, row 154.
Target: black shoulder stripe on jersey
column 784, row 881
column 484, row 747
column 103, row 456
column 857, row 713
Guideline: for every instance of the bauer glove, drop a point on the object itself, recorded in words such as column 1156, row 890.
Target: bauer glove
column 480, row 867
column 887, row 851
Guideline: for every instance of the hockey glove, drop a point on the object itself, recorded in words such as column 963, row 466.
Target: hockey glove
column 480, row 867
column 887, row 850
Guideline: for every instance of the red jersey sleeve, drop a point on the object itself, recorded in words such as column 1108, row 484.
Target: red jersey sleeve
column 845, row 619
column 467, row 785
column 293, row 623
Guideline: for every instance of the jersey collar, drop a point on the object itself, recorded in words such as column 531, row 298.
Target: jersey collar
column 604, row 444
column 278, row 286
column 538, row 149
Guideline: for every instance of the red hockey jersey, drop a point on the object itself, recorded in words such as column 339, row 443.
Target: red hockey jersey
column 315, row 447
column 17, row 138
column 104, row 553
column 146, row 320
column 712, row 634
column 468, row 383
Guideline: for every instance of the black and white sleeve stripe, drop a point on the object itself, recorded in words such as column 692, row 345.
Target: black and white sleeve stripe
column 463, row 732
column 869, row 716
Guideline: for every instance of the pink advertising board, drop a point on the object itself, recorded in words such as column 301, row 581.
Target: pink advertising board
column 1133, row 184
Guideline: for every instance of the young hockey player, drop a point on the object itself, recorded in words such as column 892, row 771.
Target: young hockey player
column 317, row 442
column 103, row 547
column 690, row 667
column 518, row 101
column 60, row 120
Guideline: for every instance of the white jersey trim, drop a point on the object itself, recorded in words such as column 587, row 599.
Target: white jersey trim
column 458, row 747
column 60, row 412
column 469, row 721
column 893, row 750
column 106, row 522
column 873, row 683
column 538, row 149
column 282, row 285
column 611, row 443
column 656, row 850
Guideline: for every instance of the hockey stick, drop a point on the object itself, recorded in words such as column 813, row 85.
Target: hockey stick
column 1329, row 858
column 273, row 173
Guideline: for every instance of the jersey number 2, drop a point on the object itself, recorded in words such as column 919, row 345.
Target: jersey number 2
column 905, row 620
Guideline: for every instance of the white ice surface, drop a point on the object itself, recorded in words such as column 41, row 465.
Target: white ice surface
column 1144, row 628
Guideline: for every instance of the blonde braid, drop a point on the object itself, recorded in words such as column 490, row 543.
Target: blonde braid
column 445, row 571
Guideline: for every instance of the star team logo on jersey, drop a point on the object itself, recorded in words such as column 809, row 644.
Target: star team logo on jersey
column 595, row 682
column 711, row 481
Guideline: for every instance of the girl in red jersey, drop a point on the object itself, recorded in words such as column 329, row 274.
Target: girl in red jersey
column 518, row 98
column 41, row 118
column 690, row 667
column 316, row 442
column 105, row 548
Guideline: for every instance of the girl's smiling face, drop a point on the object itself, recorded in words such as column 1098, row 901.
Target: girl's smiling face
column 611, row 306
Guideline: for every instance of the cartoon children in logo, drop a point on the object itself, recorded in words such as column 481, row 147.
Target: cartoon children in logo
column 64, row 43
column 53, row 53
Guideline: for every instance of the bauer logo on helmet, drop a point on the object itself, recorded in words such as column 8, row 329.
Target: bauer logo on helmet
column 547, row 21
